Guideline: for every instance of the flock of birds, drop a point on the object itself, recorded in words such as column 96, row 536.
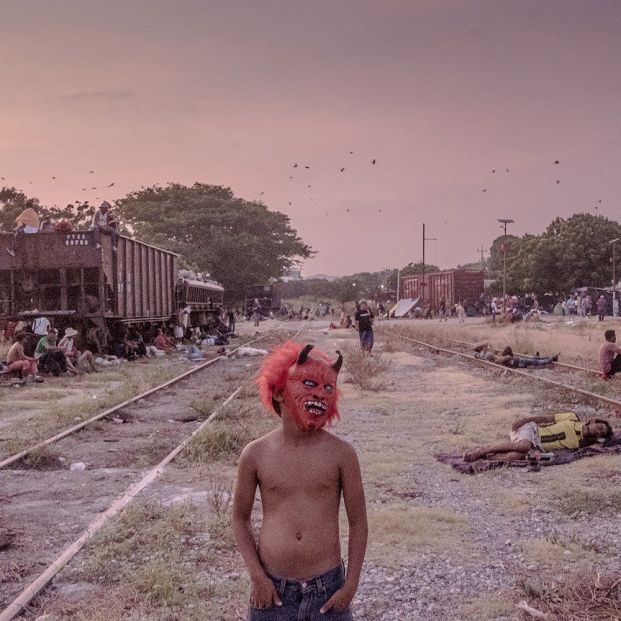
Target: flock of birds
column 302, row 167
column 556, row 181
column 90, row 172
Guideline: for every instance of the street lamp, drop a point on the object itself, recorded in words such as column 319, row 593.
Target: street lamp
column 504, row 221
column 614, row 280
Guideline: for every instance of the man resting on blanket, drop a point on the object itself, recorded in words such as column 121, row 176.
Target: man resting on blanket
column 548, row 432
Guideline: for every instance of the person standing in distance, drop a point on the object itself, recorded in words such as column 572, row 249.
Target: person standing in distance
column 364, row 323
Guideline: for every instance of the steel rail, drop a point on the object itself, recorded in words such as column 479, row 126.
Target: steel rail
column 20, row 603
column 67, row 432
column 587, row 393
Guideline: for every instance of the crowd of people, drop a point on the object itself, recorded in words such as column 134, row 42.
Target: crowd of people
column 37, row 348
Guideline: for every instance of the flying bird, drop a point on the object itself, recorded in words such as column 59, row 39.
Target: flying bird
column 484, row 189
column 109, row 186
column 347, row 210
column 373, row 162
column 83, row 189
column 342, row 169
column 507, row 170
column 261, row 193
column 558, row 181
column 90, row 172
column 290, row 177
column 379, row 210
column 556, row 162
column 53, row 177
column 306, row 166
column 289, row 202
column 295, row 165
column 309, row 186
column 494, row 170
column 351, row 152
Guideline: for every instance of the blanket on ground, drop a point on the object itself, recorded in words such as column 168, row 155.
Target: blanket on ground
column 610, row 447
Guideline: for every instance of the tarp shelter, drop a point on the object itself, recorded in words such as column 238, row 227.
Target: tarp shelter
column 403, row 307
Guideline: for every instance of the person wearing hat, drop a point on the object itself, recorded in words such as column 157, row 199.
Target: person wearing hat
column 103, row 221
column 77, row 362
column 26, row 223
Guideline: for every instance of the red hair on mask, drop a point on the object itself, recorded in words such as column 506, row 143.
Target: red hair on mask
column 274, row 373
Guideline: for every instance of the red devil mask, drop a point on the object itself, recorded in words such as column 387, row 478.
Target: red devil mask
column 301, row 382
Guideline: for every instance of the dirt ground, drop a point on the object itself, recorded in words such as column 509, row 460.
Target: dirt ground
column 442, row 546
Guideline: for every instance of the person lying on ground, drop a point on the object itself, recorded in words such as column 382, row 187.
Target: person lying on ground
column 17, row 360
column 548, row 432
column 296, row 569
column 508, row 359
column 609, row 355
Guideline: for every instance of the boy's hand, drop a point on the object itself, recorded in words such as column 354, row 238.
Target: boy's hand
column 264, row 593
column 340, row 601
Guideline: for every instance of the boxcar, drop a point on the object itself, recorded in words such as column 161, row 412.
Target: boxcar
column 63, row 276
column 451, row 285
column 268, row 296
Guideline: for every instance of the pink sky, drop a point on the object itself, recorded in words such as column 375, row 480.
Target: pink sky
column 233, row 92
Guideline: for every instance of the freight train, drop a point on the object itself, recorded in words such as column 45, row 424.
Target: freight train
column 66, row 278
column 452, row 286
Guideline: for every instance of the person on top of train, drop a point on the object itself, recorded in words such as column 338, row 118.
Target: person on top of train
column 25, row 224
column 104, row 222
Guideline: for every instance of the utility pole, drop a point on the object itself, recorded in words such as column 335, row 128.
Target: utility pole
column 614, row 279
column 504, row 221
column 423, row 284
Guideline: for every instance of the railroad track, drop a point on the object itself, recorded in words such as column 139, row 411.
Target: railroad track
column 104, row 414
column 42, row 494
column 534, row 375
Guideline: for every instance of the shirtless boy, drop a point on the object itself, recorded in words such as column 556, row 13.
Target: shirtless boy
column 301, row 470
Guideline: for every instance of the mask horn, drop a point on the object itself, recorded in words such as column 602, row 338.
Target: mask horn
column 304, row 354
column 339, row 362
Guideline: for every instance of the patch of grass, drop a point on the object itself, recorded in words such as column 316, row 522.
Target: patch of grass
column 44, row 458
column 399, row 528
column 366, row 370
column 488, row 607
column 586, row 500
column 221, row 488
column 217, row 442
column 554, row 551
column 581, row 597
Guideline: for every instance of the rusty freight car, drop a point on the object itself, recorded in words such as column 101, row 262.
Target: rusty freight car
column 452, row 286
column 63, row 276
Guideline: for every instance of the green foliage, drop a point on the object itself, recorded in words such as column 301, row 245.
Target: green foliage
column 236, row 241
column 14, row 201
column 572, row 252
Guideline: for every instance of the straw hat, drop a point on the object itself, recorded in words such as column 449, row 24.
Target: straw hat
column 29, row 217
column 70, row 332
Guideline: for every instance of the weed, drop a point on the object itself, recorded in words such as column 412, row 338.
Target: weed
column 581, row 597
column 366, row 370
column 217, row 442
column 221, row 487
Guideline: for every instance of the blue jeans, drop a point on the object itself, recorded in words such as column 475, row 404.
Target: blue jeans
column 366, row 340
column 301, row 600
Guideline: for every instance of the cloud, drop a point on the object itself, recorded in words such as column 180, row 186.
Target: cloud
column 90, row 96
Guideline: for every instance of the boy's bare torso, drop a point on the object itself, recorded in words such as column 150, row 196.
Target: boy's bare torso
column 300, row 488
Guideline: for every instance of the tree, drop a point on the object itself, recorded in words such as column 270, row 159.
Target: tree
column 14, row 201
column 238, row 242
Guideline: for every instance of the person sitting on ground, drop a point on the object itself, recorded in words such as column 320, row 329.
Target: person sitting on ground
column 51, row 359
column 609, row 355
column 17, row 360
column 508, row 359
column 104, row 222
column 548, row 432
column 77, row 362
column 163, row 343
column 135, row 337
